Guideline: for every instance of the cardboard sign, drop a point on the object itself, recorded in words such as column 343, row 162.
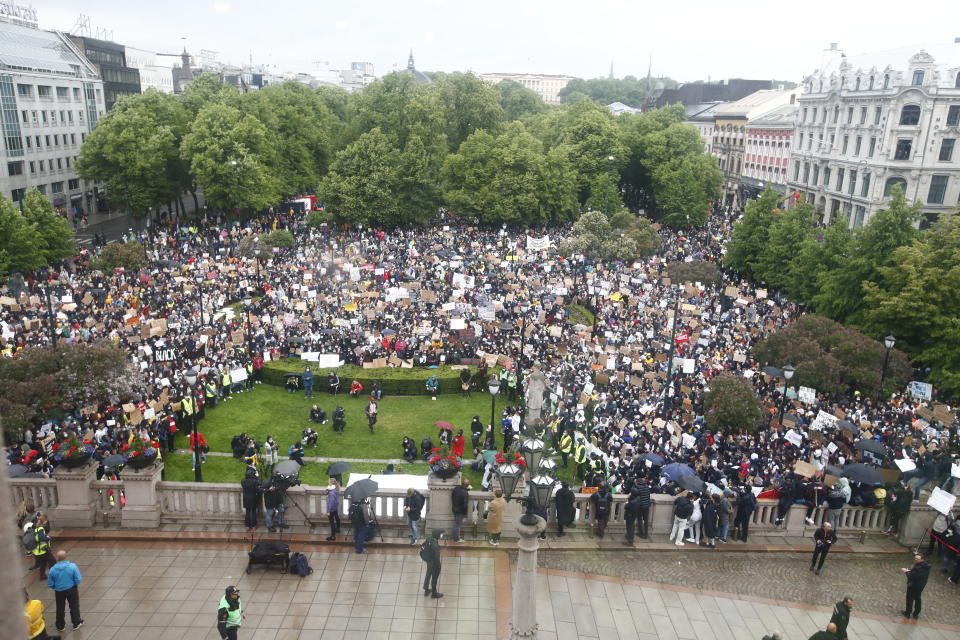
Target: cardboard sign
column 941, row 501
column 805, row 469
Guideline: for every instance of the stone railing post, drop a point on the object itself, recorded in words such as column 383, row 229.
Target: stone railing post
column 75, row 501
column 440, row 504
column 794, row 524
column 142, row 510
column 915, row 523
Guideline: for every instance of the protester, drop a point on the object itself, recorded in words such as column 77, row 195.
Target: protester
column 460, row 500
column 564, row 506
column 412, row 506
column 333, row 507
column 841, row 616
column 431, row 556
column 494, row 515
column 250, row 486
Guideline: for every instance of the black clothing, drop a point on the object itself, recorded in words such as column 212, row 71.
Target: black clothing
column 841, row 618
column 460, row 498
column 563, row 503
column 415, row 503
column 824, row 541
column 69, row 596
column 823, row 635
column 916, row 581
column 682, row 508
column 431, row 555
column 602, row 501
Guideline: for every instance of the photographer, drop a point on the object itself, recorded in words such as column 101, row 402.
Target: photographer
column 271, row 452
column 359, row 520
column 251, row 498
column 409, row 449
column 309, row 437
column 339, row 420
column 273, row 503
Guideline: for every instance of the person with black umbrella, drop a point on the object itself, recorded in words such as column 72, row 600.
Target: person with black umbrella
column 824, row 538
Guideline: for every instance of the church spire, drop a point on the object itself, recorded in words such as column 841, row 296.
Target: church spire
column 410, row 64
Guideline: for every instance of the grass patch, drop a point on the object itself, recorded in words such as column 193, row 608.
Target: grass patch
column 579, row 315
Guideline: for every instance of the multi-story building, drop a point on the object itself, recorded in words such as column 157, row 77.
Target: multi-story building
column 110, row 59
column 155, row 71
column 730, row 139
column 766, row 153
column 701, row 117
column 692, row 93
column 867, row 123
column 359, row 75
column 546, row 86
column 51, row 98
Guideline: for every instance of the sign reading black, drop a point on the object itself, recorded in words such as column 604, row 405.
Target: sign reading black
column 165, row 355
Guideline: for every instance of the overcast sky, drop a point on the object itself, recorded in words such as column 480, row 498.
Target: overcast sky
column 687, row 40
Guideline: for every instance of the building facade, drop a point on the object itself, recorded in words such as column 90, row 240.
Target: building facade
column 110, row 59
column 51, row 97
column 702, row 118
column 155, row 71
column 867, row 123
column 546, row 86
column 766, row 154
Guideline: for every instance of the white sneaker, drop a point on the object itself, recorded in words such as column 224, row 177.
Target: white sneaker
column 809, row 520
column 690, row 540
column 679, row 544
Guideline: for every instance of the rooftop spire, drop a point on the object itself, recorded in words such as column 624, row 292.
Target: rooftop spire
column 410, row 64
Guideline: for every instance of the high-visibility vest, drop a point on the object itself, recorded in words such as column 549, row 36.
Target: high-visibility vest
column 566, row 443
column 186, row 404
column 42, row 545
column 580, row 456
column 211, row 390
column 234, row 617
column 225, row 378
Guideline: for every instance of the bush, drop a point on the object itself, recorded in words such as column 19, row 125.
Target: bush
column 317, row 219
column 732, row 405
column 281, row 238
column 701, row 271
column 126, row 255
column 579, row 315
column 395, row 381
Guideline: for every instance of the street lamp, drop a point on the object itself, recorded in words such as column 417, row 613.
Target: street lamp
column 787, row 374
column 199, row 281
column 236, row 181
column 610, row 175
column 191, row 378
column 888, row 342
column 493, row 385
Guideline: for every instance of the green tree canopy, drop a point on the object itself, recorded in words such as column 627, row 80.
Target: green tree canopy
column 55, row 237
column 517, row 101
column 622, row 236
column 750, row 233
column 731, row 405
column 21, row 247
column 629, row 90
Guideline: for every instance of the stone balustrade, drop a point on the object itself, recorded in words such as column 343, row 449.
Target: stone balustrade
column 74, row 498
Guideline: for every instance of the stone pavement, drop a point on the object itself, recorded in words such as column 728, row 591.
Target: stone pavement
column 160, row 590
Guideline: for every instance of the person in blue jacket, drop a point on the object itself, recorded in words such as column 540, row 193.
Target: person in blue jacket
column 64, row 578
column 307, row 383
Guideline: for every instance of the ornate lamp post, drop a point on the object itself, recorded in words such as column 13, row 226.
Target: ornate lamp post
column 191, row 378
column 493, row 385
column 787, row 374
column 888, row 342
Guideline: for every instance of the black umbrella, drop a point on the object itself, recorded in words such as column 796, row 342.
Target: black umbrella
column 16, row 470
column 691, row 483
column 287, row 468
column 114, row 461
column 291, row 375
column 295, row 340
column 873, row 446
column 773, row 372
column 361, row 489
column 833, row 470
column 654, row 459
column 859, row 472
column 338, row 467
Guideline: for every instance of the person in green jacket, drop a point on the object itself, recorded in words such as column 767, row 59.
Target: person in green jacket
column 230, row 614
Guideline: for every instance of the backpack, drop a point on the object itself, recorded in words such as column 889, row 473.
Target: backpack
column 356, row 515
column 29, row 540
column 299, row 565
column 603, row 507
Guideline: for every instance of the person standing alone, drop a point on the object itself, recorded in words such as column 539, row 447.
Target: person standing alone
column 413, row 505
column 64, row 578
column 824, row 538
column 430, row 553
column 230, row 614
column 841, row 616
column 461, row 499
column 916, row 580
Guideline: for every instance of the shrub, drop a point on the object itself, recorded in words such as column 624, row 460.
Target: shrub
column 125, row 255
column 732, row 405
column 394, row 380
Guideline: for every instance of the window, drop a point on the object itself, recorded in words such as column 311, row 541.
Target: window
column 43, row 116
column 836, row 114
column 873, row 147
column 814, row 118
column 863, row 115
column 15, row 168
column 910, row 114
column 956, row 84
column 852, row 183
column 53, row 117
column 76, row 93
column 796, row 171
column 68, row 162
column 33, row 167
column 59, row 164
column 858, row 145
column 846, row 143
column 56, row 187
column 938, row 189
column 42, row 188
column 43, row 91
column 849, row 115
column 801, row 139
column 63, row 93
column 806, row 173
column 73, row 138
column 33, row 116
column 56, row 139
column 805, row 115
column 816, row 174
column 840, row 179
column 29, row 142
column 891, row 183
column 826, row 176
column 886, row 81
column 918, row 77
column 953, row 115
column 856, row 86
column 904, row 145
column 74, row 183
column 833, row 139
column 865, row 186
column 877, row 111
column 42, row 165
column 946, row 149
column 25, row 90
column 63, row 117
column 46, row 140
column 70, row 116
column 38, row 141
column 17, row 194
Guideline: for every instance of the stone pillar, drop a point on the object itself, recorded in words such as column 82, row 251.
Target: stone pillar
column 440, row 505
column 661, row 514
column 794, row 524
column 915, row 523
column 524, row 624
column 142, row 510
column 75, row 500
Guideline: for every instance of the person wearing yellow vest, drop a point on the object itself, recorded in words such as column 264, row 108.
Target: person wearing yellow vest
column 33, row 618
column 580, row 457
column 225, row 384
column 42, row 558
column 230, row 614
column 566, row 445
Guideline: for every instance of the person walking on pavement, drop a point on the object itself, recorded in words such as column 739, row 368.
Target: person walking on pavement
column 461, row 498
column 430, row 553
column 230, row 614
column 916, row 580
column 824, row 538
column 64, row 578
column 412, row 506
column 841, row 616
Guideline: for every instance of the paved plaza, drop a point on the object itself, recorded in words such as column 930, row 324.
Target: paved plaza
column 151, row 591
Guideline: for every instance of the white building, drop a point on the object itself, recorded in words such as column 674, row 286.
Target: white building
column 156, row 72
column 358, row 76
column 546, row 86
column 766, row 154
column 618, row 108
column 51, row 99
column 701, row 117
column 866, row 123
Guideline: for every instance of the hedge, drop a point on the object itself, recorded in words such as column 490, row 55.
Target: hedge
column 395, row 381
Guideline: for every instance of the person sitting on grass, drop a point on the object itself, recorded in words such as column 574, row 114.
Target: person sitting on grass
column 409, row 449
column 339, row 420
column 318, row 415
column 309, row 437
column 356, row 388
column 296, row 453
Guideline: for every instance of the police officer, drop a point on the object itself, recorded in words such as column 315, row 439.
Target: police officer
column 230, row 614
column 580, row 457
column 42, row 558
column 430, row 553
column 566, row 445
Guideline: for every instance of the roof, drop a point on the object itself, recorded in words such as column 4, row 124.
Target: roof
column 755, row 104
column 616, row 108
column 946, row 60
column 25, row 49
column 419, row 77
column 783, row 115
column 703, row 110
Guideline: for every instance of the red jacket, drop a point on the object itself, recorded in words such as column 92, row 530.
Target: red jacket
column 200, row 438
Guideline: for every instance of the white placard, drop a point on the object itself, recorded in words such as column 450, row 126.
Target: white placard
column 149, row 414
column 832, row 447
column 689, row 441
column 238, row 375
column 688, row 365
column 941, row 501
column 807, row 395
column 823, row 421
column 955, row 471
column 906, row 464
column 457, row 324
column 793, row 438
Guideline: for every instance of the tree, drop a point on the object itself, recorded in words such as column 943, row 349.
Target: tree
column 833, row 358
column 384, row 105
column 601, row 238
column 590, row 139
column 467, row 104
column 495, row 179
column 557, row 187
column 128, row 256
column 787, row 233
column 220, row 136
column 629, row 90
column 635, row 131
column 517, row 101
column 731, row 405
column 818, row 255
column 21, row 247
column 54, row 234
column 750, row 233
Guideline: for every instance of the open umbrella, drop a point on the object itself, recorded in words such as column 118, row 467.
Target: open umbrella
column 846, row 425
column 338, row 467
column 654, row 458
column 446, row 426
column 361, row 489
column 291, row 375
column 287, row 468
column 16, row 470
column 773, row 372
column 490, row 456
column 388, row 332
column 296, row 340
column 112, row 462
column 791, row 392
column 873, row 446
column 833, row 470
column 691, row 483
column 327, row 332
column 859, row 472
column 675, row 470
